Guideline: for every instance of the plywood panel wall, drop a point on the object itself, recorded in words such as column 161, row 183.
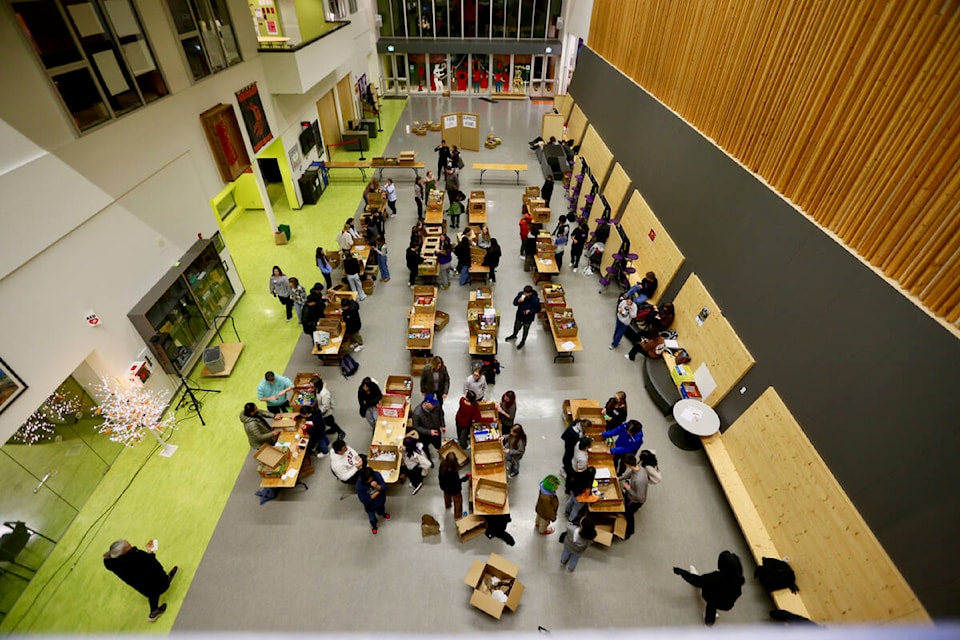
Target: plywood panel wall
column 850, row 109
column 715, row 343
column 656, row 252
column 597, row 154
column 843, row 573
column 576, row 125
column 615, row 190
column 563, row 103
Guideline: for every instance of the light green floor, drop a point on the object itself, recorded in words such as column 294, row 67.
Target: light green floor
column 179, row 500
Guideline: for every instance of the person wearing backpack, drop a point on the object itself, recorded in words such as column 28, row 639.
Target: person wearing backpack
column 721, row 588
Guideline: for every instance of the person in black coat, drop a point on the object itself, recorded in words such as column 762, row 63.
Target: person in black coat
column 142, row 571
column 527, row 303
column 492, row 258
column 546, row 191
column 350, row 312
column 721, row 588
column 443, row 157
column 312, row 311
column 368, row 395
column 414, row 259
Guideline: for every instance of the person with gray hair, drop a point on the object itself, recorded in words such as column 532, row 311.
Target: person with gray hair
column 141, row 570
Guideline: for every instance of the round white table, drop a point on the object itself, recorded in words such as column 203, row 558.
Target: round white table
column 694, row 420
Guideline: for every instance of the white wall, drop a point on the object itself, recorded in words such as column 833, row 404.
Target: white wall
column 576, row 25
column 93, row 221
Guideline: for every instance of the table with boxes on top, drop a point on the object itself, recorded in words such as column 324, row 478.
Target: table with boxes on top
column 483, row 322
column 393, row 410
column 477, row 209
column 406, row 160
column 421, row 319
column 607, row 511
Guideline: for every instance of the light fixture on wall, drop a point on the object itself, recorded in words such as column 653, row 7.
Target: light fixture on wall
column 390, row 47
column 549, row 49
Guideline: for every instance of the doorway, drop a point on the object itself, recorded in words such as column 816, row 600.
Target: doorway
column 273, row 180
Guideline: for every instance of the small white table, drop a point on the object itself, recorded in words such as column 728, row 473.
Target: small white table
column 694, row 420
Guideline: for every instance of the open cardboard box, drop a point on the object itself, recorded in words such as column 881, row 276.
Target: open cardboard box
column 609, row 526
column 272, row 458
column 470, row 526
column 399, row 385
column 490, row 493
column 392, row 406
column 488, row 456
column 452, row 446
column 480, row 576
column 389, row 469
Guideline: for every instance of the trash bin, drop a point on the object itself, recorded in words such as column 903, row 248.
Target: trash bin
column 285, row 229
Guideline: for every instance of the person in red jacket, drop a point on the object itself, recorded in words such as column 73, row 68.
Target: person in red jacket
column 524, row 229
column 467, row 414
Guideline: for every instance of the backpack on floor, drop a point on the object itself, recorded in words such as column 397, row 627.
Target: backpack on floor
column 348, row 366
column 775, row 574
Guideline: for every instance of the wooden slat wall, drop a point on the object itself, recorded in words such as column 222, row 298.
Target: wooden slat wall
column 660, row 255
column 595, row 151
column 576, row 125
column 615, row 191
column 849, row 109
column 843, row 572
column 715, row 343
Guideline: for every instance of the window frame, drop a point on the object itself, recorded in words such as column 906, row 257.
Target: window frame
column 196, row 33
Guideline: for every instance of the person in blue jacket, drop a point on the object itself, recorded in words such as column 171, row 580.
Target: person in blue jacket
column 372, row 491
column 629, row 439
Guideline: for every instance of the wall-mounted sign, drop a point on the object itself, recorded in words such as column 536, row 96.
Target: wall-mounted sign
column 254, row 117
column 652, row 235
column 226, row 142
column 469, row 121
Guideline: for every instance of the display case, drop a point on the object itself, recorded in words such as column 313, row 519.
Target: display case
column 178, row 315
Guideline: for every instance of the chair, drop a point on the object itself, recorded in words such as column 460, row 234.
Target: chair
column 11, row 544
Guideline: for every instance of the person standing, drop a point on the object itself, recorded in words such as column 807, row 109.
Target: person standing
column 414, row 260
column 451, row 483
column 571, row 438
column 256, row 425
column 391, row 190
column 427, row 419
column 467, row 414
column 615, row 410
column 380, row 249
column 298, row 295
column 443, row 156
column 721, row 588
column 351, row 269
column 312, row 312
column 578, row 239
column 455, row 210
column 435, row 379
column 325, row 407
column 561, row 239
column 350, row 312
column 525, row 221
column 368, row 396
column 455, row 160
column 626, row 312
column 444, row 258
column 497, row 528
column 273, row 390
column 453, row 185
column 507, row 409
column 462, row 253
column 280, row 288
column 477, row 383
column 514, row 446
column 629, row 439
column 418, row 193
column 637, row 476
column 324, row 265
column 547, row 504
column 527, row 303
column 372, row 491
column 491, row 259
column 141, row 570
column 576, row 540
column 546, row 191
column 429, row 184
column 345, row 240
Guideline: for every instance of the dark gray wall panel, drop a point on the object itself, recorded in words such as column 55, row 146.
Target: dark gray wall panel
column 871, row 377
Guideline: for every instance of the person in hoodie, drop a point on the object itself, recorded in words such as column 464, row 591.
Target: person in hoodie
column 575, row 540
column 719, row 589
column 629, row 439
column 636, row 477
column 258, row 425
column 547, row 504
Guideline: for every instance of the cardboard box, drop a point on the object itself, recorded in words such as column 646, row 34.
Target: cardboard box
column 594, row 415
column 532, row 191
column 488, row 456
column 499, row 574
column 417, row 364
column 441, row 319
column 330, row 325
column 429, row 526
column 392, row 406
column 471, row 526
column 386, row 460
column 488, row 412
column 273, row 460
column 608, row 526
column 490, row 493
column 399, row 385
column 541, row 215
column 279, row 237
column 452, row 446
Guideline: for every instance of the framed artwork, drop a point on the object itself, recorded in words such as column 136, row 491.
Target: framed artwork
column 226, row 142
column 11, row 386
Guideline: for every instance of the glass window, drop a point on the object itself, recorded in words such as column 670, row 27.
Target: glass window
column 539, row 18
column 501, row 72
column 413, row 19
column 513, row 16
column 499, row 18
column 527, row 10
column 460, row 71
column 399, row 20
column 386, row 23
column 443, row 24
column 438, row 72
column 521, row 73
column 556, row 8
column 95, row 53
column 456, row 18
column 483, row 19
column 470, row 18
column 206, row 35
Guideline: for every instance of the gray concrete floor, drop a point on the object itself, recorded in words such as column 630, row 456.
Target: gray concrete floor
column 306, row 562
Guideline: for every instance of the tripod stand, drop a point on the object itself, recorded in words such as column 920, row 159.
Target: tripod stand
column 189, row 398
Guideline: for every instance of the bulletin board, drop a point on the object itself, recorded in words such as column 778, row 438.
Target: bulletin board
column 461, row 129
column 551, row 125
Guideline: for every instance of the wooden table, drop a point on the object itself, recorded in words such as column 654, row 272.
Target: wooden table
column 297, row 459
column 416, row 166
column 566, row 345
column 357, row 164
column 361, row 252
column 388, row 434
column 545, row 267
column 230, row 351
column 483, row 167
column 330, row 353
column 433, row 216
column 496, row 475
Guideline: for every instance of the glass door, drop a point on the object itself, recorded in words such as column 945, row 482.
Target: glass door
column 521, row 73
column 459, row 72
column 543, row 75
column 439, row 73
column 500, row 76
column 480, row 73
column 417, row 67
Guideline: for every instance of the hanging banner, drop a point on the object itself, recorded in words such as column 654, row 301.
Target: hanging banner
column 226, row 142
column 254, row 117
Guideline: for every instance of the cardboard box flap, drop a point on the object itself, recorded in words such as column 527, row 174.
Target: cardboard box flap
column 269, row 455
column 487, row 604
column 476, row 571
column 470, row 527
column 604, row 536
column 501, row 563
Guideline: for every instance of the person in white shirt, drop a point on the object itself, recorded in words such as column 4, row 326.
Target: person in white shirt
column 345, row 462
column 391, row 191
column 626, row 312
column 477, row 383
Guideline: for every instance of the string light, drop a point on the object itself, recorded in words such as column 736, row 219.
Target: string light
column 129, row 413
column 41, row 423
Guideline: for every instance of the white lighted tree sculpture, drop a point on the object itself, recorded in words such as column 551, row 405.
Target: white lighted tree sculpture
column 130, row 413
column 40, row 425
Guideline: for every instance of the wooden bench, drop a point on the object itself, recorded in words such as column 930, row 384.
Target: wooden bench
column 789, row 504
column 483, row 167
column 357, row 164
